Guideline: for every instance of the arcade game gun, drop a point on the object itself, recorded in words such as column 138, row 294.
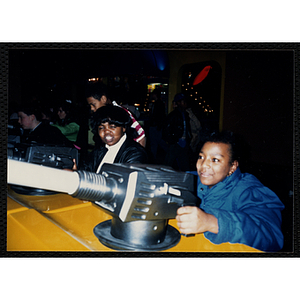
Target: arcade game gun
column 54, row 156
column 140, row 198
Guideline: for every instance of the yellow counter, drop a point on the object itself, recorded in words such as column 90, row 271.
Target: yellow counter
column 60, row 222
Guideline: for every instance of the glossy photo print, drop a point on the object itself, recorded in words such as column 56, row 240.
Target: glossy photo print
column 183, row 150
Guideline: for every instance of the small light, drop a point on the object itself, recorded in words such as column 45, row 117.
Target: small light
column 93, row 79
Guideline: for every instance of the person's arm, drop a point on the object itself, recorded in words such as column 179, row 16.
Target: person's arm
column 142, row 141
column 68, row 129
column 141, row 137
column 256, row 221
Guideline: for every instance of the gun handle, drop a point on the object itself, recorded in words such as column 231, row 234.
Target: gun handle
column 188, row 235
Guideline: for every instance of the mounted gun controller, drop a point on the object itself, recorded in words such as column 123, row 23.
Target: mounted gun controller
column 140, row 198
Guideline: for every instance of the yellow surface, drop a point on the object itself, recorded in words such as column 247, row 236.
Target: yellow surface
column 62, row 223
column 14, row 207
column 199, row 243
column 30, row 231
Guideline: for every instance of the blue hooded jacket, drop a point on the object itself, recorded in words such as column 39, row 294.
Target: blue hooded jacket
column 248, row 212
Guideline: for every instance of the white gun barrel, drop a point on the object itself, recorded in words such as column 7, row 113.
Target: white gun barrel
column 42, row 177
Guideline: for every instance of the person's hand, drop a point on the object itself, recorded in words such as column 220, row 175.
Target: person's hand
column 74, row 168
column 74, row 165
column 191, row 219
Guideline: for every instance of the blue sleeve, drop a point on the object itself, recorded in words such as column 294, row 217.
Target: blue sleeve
column 255, row 221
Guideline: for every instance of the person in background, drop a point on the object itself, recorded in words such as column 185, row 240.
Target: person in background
column 97, row 96
column 158, row 147
column 177, row 134
column 47, row 114
column 65, row 123
column 195, row 129
column 30, row 119
column 14, row 131
column 113, row 125
column 235, row 207
column 128, row 101
column 195, row 126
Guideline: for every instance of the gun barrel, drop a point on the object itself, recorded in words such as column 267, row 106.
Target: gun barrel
column 37, row 176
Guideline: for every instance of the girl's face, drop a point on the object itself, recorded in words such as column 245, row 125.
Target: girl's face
column 213, row 164
column 61, row 113
column 110, row 134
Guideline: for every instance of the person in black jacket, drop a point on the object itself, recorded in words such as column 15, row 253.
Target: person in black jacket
column 36, row 131
column 177, row 134
column 113, row 126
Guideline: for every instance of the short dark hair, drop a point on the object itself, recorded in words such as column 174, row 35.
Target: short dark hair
column 66, row 105
column 96, row 90
column 31, row 110
column 228, row 138
column 110, row 114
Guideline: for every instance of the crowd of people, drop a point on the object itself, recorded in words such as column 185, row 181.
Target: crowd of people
column 235, row 207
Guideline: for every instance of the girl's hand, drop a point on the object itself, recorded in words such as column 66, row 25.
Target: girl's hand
column 191, row 219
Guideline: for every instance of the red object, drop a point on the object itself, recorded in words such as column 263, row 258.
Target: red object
column 202, row 75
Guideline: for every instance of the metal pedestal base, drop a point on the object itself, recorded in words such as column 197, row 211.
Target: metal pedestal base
column 23, row 190
column 103, row 232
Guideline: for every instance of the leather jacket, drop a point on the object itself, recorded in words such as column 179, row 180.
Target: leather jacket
column 46, row 134
column 130, row 152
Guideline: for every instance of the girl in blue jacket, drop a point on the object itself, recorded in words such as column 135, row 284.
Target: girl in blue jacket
column 235, row 207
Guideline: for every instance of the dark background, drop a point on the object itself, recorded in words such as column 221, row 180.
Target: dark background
column 259, row 90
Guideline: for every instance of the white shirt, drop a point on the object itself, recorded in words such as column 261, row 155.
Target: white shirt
column 111, row 154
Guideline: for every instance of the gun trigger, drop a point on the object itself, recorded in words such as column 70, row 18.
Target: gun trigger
column 188, row 235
